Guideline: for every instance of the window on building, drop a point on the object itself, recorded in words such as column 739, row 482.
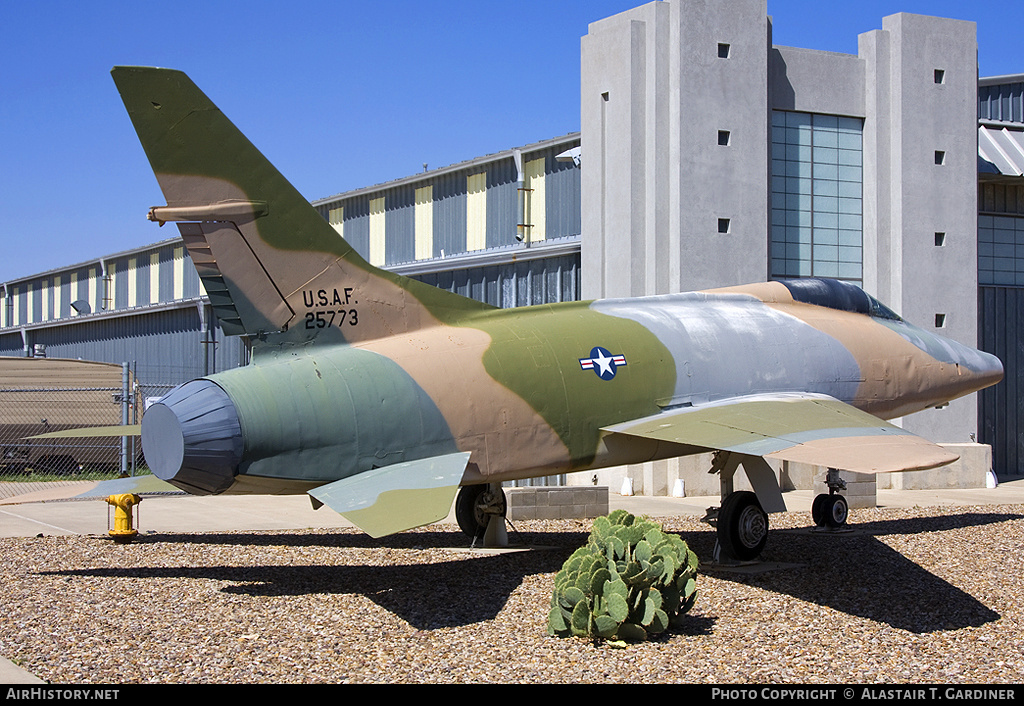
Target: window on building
column 1000, row 250
column 723, row 50
column 817, row 196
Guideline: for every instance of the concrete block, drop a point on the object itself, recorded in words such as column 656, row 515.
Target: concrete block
column 556, row 502
column 861, row 489
column 969, row 471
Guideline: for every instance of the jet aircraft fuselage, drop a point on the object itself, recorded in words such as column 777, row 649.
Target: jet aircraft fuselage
column 529, row 391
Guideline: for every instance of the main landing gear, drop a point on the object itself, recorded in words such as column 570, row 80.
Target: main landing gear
column 742, row 520
column 742, row 527
column 480, row 511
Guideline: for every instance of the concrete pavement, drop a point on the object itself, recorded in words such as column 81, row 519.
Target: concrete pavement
column 183, row 513
column 189, row 513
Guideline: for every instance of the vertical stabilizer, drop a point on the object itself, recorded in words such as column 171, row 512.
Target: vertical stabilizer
column 268, row 260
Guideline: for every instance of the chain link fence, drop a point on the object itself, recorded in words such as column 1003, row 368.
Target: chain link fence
column 26, row 461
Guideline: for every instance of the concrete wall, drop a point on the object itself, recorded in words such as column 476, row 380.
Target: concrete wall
column 655, row 94
column 660, row 84
column 908, row 198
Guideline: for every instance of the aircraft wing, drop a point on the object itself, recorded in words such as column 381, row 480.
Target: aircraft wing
column 812, row 429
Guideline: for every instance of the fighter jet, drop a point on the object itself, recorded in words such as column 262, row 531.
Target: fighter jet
column 388, row 399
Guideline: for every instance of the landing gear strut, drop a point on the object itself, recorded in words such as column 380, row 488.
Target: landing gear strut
column 831, row 510
column 480, row 511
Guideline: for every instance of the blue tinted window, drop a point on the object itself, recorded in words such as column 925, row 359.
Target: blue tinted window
column 817, row 196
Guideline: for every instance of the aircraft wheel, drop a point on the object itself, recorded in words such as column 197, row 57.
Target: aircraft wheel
column 474, row 506
column 818, row 509
column 742, row 526
column 836, row 511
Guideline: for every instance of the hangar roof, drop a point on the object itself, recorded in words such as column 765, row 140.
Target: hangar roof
column 1000, row 149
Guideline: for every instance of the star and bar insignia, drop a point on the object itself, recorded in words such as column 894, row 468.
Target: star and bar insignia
column 602, row 362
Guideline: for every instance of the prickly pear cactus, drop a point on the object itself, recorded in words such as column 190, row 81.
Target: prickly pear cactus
column 631, row 580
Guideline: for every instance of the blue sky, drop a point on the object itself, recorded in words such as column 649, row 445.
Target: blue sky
column 338, row 94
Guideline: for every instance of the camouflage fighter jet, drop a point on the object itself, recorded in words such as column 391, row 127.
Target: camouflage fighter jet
column 382, row 396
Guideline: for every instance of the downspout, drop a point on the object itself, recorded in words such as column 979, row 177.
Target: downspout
column 522, row 227
column 105, row 276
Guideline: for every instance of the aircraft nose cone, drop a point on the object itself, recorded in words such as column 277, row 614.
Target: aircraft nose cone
column 192, row 438
column 991, row 369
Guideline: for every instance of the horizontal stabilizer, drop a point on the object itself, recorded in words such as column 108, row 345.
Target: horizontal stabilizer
column 399, row 497
column 139, row 485
column 92, row 432
column 813, row 429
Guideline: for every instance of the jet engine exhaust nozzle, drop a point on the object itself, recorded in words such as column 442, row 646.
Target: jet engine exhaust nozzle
column 192, row 438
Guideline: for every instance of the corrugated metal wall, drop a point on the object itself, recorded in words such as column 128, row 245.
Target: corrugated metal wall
column 157, row 274
column 473, row 206
column 1002, row 101
column 115, row 310
column 166, row 347
column 1001, row 407
column 525, row 283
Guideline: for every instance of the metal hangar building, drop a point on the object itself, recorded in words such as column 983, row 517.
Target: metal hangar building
column 707, row 157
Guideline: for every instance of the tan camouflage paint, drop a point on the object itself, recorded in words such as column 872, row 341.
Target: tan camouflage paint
column 897, row 377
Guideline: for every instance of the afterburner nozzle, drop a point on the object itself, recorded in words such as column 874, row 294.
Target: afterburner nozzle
column 192, row 438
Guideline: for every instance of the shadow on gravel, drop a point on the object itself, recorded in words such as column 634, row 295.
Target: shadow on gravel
column 853, row 572
column 483, row 582
column 856, row 573
column 345, row 538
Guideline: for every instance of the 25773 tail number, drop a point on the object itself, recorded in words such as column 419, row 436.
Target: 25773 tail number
column 331, row 317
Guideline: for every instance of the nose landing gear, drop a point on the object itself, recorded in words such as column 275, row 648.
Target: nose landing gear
column 831, row 509
column 742, row 519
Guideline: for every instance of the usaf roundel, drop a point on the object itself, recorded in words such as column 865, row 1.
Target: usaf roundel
column 602, row 362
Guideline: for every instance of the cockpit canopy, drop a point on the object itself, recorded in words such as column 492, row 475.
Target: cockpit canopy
column 836, row 294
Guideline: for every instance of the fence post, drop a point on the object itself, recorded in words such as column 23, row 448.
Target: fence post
column 125, row 406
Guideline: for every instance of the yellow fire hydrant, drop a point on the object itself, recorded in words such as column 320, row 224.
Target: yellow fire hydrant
column 123, row 531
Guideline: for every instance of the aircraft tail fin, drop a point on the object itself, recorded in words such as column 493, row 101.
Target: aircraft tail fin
column 268, row 260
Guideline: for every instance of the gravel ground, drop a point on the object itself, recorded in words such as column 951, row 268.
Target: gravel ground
column 930, row 595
